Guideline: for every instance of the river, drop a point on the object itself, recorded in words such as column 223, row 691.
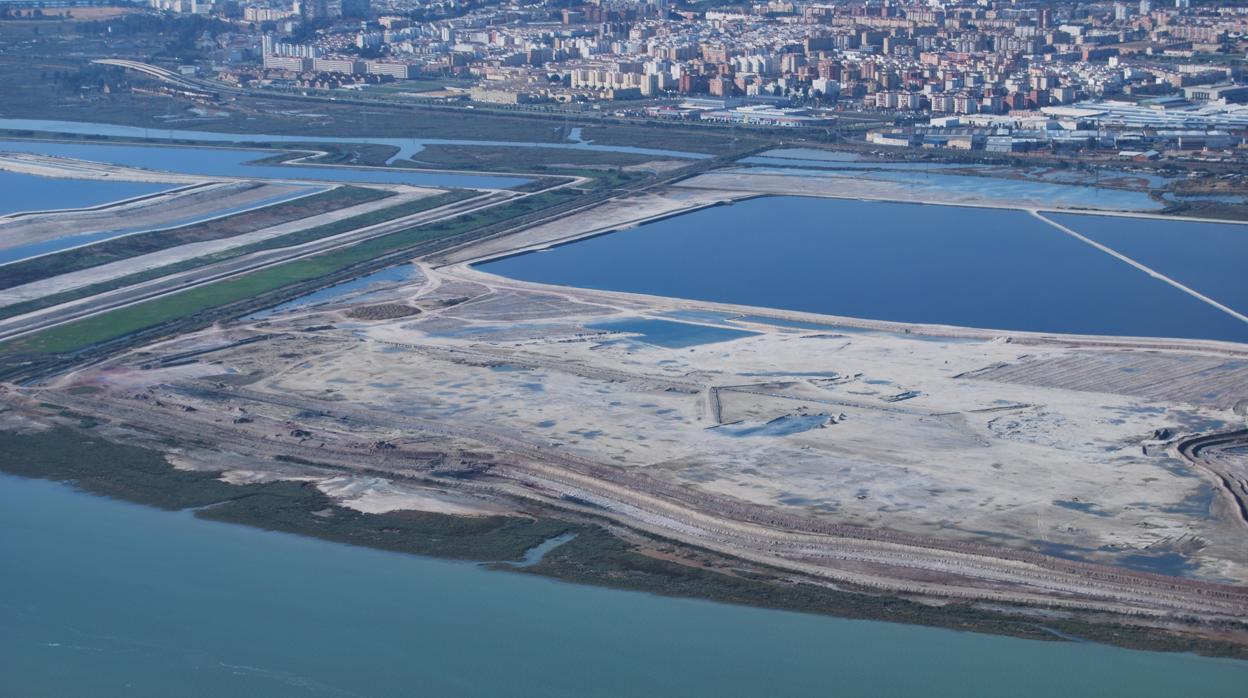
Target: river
column 105, row 598
column 407, row 147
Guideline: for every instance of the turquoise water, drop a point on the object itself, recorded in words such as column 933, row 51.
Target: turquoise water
column 23, row 192
column 673, row 335
column 970, row 267
column 231, row 162
column 534, row 555
column 780, row 426
column 329, row 294
column 102, row 598
column 1210, row 258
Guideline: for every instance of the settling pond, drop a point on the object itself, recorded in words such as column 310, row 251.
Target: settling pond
column 70, row 187
column 970, row 267
column 21, row 193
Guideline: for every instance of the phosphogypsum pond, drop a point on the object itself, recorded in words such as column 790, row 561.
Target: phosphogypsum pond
column 972, row 267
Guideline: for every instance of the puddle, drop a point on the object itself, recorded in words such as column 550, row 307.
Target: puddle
column 780, row 426
column 669, row 334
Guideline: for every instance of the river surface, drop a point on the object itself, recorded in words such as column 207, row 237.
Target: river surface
column 24, row 192
column 407, row 147
column 103, row 598
column 971, row 267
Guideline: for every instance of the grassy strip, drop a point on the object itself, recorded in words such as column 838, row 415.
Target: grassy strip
column 117, row 323
column 594, row 557
column 602, row 177
column 361, row 221
column 514, row 159
column 605, row 179
column 50, row 265
column 350, row 154
column 287, row 240
column 541, row 183
column 492, row 538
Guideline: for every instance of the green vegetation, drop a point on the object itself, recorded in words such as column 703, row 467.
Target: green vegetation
column 102, row 467
column 540, row 184
column 28, row 94
column 496, row 158
column 287, row 240
column 117, row 323
column 350, row 154
column 343, row 115
column 1208, row 209
column 347, row 224
column 88, row 256
column 594, row 556
column 296, row 509
column 606, row 169
column 83, row 333
column 599, row 558
column 697, row 139
column 143, row 476
column 605, row 179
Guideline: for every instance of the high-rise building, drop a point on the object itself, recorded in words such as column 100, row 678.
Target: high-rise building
column 650, row 85
column 314, row 9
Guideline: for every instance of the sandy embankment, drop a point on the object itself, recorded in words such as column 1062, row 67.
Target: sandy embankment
column 182, row 206
column 364, row 493
column 114, row 270
column 45, row 166
column 615, row 214
column 864, row 187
